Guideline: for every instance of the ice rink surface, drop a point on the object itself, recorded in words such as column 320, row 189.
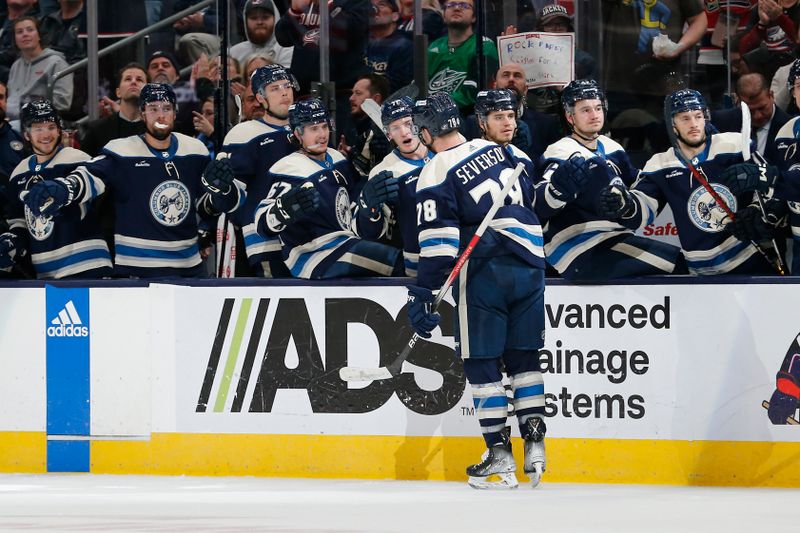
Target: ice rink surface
column 197, row 504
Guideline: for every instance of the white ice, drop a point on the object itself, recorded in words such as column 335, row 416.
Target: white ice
column 198, row 504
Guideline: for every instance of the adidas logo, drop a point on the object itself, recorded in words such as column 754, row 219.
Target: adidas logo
column 68, row 323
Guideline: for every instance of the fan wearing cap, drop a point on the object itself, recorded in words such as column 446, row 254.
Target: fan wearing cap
column 260, row 17
column 65, row 246
column 583, row 240
column 253, row 147
column 161, row 182
column 310, row 206
column 387, row 206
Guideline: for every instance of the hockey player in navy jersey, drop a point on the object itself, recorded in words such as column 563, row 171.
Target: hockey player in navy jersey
column 581, row 243
column 253, row 147
column 499, row 292
column 712, row 244
column 787, row 143
column 309, row 206
column 387, row 205
column 159, row 190
column 68, row 245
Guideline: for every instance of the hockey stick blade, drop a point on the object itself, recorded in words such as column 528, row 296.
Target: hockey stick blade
column 373, row 111
column 393, row 369
column 789, row 419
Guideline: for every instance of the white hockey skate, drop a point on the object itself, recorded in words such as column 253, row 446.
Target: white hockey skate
column 533, row 434
column 497, row 469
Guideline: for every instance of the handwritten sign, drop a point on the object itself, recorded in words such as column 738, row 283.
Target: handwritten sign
column 547, row 58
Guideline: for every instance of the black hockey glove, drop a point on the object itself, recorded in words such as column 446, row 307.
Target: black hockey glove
column 615, row 202
column 747, row 177
column 379, row 145
column 218, row 177
column 569, row 178
column 381, row 188
column 296, row 203
column 46, row 197
column 749, row 226
column 420, row 313
column 10, row 249
column 786, row 398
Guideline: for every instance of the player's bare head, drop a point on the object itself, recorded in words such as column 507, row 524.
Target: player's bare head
column 274, row 87
column 686, row 112
column 310, row 126
column 42, row 126
column 158, row 105
column 396, row 116
column 496, row 111
column 585, row 108
column 435, row 117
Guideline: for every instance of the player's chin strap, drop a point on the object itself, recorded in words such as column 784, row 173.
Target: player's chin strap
column 673, row 139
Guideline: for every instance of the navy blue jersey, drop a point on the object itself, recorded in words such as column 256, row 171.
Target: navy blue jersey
column 708, row 249
column 400, row 214
column 157, row 197
column 12, row 150
column 253, row 147
column 788, row 161
column 572, row 229
column 310, row 245
column 68, row 244
column 456, row 190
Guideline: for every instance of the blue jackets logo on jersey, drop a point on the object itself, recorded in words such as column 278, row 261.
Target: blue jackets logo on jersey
column 704, row 211
column 170, row 202
column 40, row 228
column 343, row 214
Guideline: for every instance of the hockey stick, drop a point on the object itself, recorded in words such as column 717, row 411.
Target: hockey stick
column 373, row 110
column 789, row 419
column 759, row 160
column 701, row 179
column 352, row 373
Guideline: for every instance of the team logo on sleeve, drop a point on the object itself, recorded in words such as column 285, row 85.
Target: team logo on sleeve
column 342, row 206
column 39, row 227
column 704, row 210
column 170, row 202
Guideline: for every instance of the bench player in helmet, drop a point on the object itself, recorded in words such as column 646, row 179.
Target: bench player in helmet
column 712, row 244
column 499, row 292
column 159, row 190
column 309, row 206
column 253, row 147
column 387, row 205
column 787, row 142
column 581, row 242
column 66, row 246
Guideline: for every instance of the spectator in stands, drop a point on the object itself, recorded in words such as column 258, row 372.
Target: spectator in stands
column 8, row 52
column 126, row 120
column 772, row 36
column 766, row 118
column 554, row 18
column 535, row 131
column 198, row 31
column 64, row 30
column 365, row 144
column 30, row 73
column 432, row 22
column 12, row 149
column 162, row 67
column 389, row 52
column 203, row 122
column 260, row 17
column 299, row 27
column 252, row 62
column 251, row 107
column 452, row 59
